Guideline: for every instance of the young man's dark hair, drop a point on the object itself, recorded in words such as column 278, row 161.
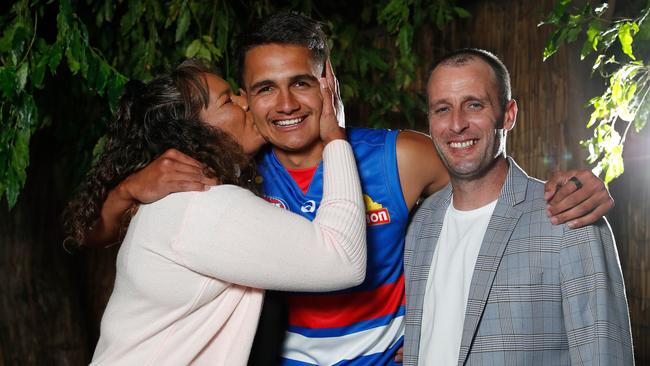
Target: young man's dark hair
column 463, row 56
column 289, row 28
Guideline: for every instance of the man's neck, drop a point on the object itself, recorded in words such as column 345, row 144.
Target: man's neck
column 476, row 193
column 301, row 159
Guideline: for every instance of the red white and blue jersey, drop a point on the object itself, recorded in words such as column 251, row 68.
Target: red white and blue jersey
column 363, row 325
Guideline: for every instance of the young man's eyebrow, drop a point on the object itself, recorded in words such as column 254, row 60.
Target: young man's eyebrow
column 303, row 77
column 260, row 84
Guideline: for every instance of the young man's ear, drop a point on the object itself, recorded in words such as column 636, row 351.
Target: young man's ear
column 510, row 116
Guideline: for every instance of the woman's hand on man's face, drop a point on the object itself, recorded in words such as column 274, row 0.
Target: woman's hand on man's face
column 332, row 120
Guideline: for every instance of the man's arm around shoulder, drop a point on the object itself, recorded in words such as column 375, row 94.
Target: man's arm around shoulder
column 421, row 172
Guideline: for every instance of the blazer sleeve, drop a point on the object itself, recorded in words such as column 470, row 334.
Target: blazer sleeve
column 232, row 235
column 595, row 308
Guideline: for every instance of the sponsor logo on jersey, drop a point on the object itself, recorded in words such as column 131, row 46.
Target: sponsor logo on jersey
column 308, row 206
column 276, row 201
column 376, row 214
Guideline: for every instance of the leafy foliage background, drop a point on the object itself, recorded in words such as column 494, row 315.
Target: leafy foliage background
column 65, row 62
column 617, row 44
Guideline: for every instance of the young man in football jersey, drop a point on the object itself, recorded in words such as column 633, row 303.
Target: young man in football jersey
column 282, row 60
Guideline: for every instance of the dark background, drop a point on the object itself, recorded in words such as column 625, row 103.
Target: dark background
column 51, row 300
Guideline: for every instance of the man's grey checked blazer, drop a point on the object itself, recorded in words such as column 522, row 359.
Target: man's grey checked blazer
column 540, row 294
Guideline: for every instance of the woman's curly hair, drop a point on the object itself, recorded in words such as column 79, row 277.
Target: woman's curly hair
column 152, row 118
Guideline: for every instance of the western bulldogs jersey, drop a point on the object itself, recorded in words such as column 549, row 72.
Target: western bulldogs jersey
column 362, row 325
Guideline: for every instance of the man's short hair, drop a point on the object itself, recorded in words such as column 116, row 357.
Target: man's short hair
column 462, row 56
column 285, row 28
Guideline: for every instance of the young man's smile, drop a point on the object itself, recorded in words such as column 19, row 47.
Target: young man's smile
column 283, row 91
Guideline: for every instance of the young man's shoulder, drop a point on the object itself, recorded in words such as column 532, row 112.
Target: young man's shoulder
column 373, row 136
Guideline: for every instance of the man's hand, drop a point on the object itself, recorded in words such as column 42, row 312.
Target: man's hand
column 399, row 355
column 580, row 202
column 172, row 172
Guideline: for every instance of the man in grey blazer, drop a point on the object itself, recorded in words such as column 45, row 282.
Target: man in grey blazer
column 489, row 279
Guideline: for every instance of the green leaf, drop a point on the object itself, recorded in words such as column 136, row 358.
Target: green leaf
column 105, row 13
column 598, row 61
column 462, row 13
column 593, row 34
column 394, row 14
column 204, row 53
column 114, row 90
column 75, row 53
column 572, row 34
column 7, row 38
column 373, row 57
column 614, row 163
column 183, row 23
column 132, row 16
column 347, row 91
column 630, row 89
column 626, row 36
column 617, row 89
column 102, row 77
column 193, row 48
column 404, row 39
column 39, row 60
column 26, row 113
column 173, row 9
column 14, row 38
column 99, row 148
column 554, row 43
column 63, row 20
column 16, row 171
column 585, row 50
column 20, row 39
column 8, row 81
column 557, row 13
column 21, row 76
column 55, row 56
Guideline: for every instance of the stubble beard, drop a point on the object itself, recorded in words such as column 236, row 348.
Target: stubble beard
column 475, row 170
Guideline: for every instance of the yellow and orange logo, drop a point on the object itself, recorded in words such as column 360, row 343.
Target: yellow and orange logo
column 376, row 214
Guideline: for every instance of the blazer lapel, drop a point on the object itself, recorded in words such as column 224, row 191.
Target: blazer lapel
column 502, row 223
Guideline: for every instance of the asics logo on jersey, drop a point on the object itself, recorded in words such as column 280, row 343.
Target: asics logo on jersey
column 308, row 206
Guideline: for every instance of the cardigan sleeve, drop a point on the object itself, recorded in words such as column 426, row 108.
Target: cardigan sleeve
column 232, row 235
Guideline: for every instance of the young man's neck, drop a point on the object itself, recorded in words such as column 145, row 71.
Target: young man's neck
column 476, row 193
column 301, row 159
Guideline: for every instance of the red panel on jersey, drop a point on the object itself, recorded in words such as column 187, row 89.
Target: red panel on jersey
column 303, row 177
